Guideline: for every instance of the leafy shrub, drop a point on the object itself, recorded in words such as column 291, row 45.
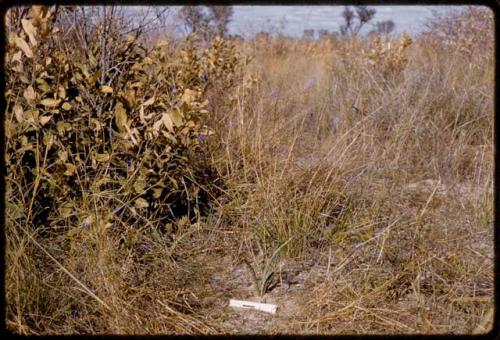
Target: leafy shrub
column 389, row 59
column 469, row 31
column 133, row 126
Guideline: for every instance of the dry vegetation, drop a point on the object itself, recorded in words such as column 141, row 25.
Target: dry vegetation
column 353, row 177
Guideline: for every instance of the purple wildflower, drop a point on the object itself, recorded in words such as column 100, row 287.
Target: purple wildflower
column 238, row 271
column 274, row 93
column 201, row 137
column 308, row 83
column 244, row 218
column 120, row 211
column 334, row 122
column 283, row 151
column 146, row 247
column 128, row 164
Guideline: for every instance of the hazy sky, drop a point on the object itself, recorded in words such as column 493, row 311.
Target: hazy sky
column 293, row 20
column 251, row 19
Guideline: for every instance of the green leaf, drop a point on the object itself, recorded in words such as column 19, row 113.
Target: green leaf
column 29, row 94
column 18, row 112
column 106, row 89
column 23, row 46
column 177, row 117
column 44, row 120
column 157, row 192
column 141, row 203
column 140, row 186
column 70, row 169
column 121, row 118
column 61, row 92
column 63, row 155
column 14, row 211
column 102, row 157
column 30, row 30
column 50, row 102
column 189, row 96
column 167, row 120
column 66, row 210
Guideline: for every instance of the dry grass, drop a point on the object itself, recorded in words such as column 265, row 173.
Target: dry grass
column 405, row 169
column 383, row 185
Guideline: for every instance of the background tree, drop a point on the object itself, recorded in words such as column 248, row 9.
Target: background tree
column 221, row 17
column 308, row 34
column 354, row 21
column 263, row 36
column 384, row 27
column 207, row 21
column 194, row 18
column 348, row 16
column 323, row 33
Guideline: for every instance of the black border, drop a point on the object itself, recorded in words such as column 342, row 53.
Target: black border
column 494, row 5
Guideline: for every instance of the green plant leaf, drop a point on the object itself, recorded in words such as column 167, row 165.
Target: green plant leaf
column 102, row 157
column 30, row 30
column 167, row 120
column 29, row 94
column 106, row 89
column 50, row 102
column 23, row 46
column 141, row 203
column 121, row 117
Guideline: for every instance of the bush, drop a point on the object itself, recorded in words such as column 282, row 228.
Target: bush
column 132, row 126
column 470, row 31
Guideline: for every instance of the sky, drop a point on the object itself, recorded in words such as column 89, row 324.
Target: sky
column 251, row 19
column 293, row 20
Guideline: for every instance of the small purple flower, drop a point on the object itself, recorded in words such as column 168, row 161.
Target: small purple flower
column 201, row 137
column 120, row 211
column 86, row 223
column 274, row 93
column 222, row 200
column 128, row 163
column 283, row 151
column 308, row 83
column 314, row 262
column 334, row 122
column 244, row 218
column 326, row 226
column 238, row 271
column 146, row 247
column 173, row 89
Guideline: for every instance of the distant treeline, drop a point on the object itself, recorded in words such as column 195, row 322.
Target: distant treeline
column 210, row 21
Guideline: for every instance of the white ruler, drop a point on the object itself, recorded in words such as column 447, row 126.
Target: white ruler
column 265, row 307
